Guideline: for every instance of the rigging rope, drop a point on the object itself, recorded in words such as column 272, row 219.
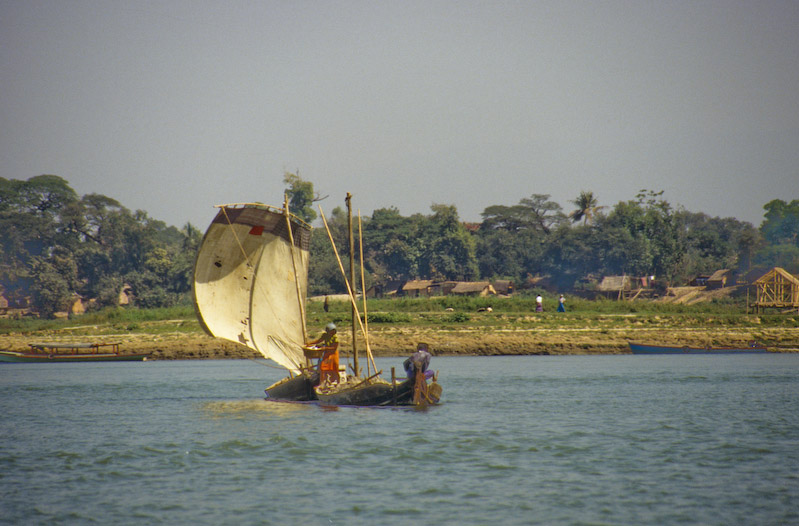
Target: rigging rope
column 241, row 247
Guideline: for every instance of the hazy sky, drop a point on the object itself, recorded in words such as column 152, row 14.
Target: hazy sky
column 175, row 106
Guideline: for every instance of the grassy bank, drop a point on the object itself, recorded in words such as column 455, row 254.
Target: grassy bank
column 451, row 325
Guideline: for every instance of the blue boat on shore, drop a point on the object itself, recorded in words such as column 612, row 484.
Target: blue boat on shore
column 639, row 348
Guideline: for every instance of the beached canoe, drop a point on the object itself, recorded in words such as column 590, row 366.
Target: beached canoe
column 71, row 352
column 638, row 348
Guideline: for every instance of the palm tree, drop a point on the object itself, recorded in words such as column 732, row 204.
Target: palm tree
column 586, row 207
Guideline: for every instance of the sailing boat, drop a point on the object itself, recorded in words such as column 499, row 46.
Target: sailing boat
column 250, row 282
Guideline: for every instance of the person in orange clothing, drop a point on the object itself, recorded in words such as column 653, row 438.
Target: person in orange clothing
column 328, row 364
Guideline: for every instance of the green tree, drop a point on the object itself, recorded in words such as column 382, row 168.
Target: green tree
column 512, row 239
column 713, row 243
column 544, row 214
column 536, row 212
column 587, row 207
column 447, row 250
column 301, row 196
column 781, row 224
column 780, row 230
column 389, row 248
column 644, row 236
column 31, row 226
column 569, row 255
column 49, row 288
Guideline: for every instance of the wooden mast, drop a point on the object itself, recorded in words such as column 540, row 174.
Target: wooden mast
column 363, row 295
column 348, row 200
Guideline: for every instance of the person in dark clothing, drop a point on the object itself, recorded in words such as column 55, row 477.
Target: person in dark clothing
column 419, row 361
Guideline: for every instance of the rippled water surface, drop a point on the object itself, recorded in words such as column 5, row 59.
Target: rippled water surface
column 517, row 440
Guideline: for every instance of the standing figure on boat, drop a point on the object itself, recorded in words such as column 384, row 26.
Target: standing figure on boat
column 328, row 363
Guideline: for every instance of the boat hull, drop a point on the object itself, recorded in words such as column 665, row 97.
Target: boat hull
column 298, row 388
column 21, row 357
column 638, row 348
column 381, row 394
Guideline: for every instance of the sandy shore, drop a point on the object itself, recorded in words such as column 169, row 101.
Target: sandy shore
column 399, row 341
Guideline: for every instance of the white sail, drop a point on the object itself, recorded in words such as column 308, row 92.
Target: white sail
column 245, row 287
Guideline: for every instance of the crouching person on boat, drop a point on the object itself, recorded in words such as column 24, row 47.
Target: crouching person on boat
column 328, row 363
column 419, row 361
column 417, row 367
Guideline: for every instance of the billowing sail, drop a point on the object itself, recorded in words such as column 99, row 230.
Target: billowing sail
column 245, row 286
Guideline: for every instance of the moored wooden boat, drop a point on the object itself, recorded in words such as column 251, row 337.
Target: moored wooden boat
column 71, row 352
column 639, row 348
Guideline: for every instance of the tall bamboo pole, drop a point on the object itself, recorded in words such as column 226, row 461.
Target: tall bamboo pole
column 292, row 252
column 363, row 292
column 354, row 283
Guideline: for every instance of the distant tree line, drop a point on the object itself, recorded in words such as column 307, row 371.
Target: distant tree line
column 55, row 245
column 536, row 237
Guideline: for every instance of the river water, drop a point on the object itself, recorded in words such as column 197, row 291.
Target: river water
column 517, row 440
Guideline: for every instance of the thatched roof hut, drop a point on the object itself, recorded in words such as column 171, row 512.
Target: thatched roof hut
column 474, row 288
column 503, row 286
column 614, row 283
column 417, row 287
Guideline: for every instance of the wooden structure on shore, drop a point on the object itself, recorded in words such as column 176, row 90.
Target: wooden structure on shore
column 777, row 289
column 473, row 288
column 624, row 287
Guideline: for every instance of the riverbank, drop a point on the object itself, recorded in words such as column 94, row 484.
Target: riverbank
column 183, row 339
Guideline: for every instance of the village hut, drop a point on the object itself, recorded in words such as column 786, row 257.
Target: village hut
column 417, row 288
column 442, row 288
column 389, row 289
column 615, row 286
column 721, row 278
column 474, row 288
column 778, row 289
column 503, row 286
